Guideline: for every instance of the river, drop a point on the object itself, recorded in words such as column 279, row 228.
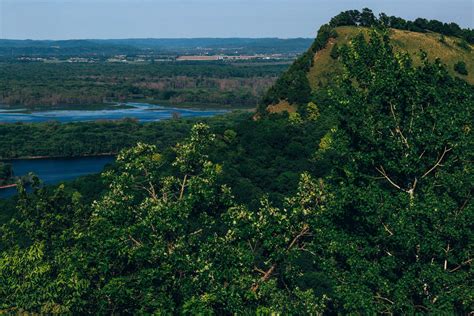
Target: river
column 143, row 112
column 52, row 171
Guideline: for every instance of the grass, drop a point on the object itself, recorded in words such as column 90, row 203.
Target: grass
column 448, row 52
column 282, row 106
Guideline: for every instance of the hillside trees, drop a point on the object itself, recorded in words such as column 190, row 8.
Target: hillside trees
column 155, row 242
column 389, row 230
column 368, row 19
column 397, row 236
column 460, row 68
column 293, row 85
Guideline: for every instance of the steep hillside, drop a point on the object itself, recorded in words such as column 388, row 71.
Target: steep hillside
column 319, row 66
column 445, row 48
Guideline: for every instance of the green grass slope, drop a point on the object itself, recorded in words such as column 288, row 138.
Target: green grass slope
column 319, row 65
column 446, row 48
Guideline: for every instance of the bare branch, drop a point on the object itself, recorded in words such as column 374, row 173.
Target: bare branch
column 461, row 265
column 463, row 206
column 265, row 277
column 422, row 154
column 438, row 163
column 267, row 274
column 301, row 234
column 387, row 229
column 398, row 129
column 383, row 299
column 196, row 232
column 259, row 270
column 183, row 185
column 446, row 251
column 136, row 242
column 381, row 170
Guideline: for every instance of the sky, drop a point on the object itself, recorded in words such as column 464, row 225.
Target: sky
column 79, row 19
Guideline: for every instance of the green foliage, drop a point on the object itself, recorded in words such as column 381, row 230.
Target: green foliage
column 49, row 85
column 385, row 227
column 6, row 171
column 335, row 51
column 293, row 85
column 367, row 18
column 152, row 243
column 397, row 237
column 54, row 139
column 442, row 39
column 460, row 68
column 464, row 45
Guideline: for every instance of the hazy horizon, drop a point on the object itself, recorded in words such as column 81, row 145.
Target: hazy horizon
column 167, row 19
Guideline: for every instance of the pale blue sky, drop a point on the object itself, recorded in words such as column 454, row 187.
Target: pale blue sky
column 68, row 19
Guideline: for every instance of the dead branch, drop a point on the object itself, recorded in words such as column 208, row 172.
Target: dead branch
column 381, row 170
column 461, row 265
column 264, row 278
column 196, row 232
column 446, row 251
column 301, row 234
column 267, row 274
column 181, row 193
column 422, row 154
column 463, row 205
column 397, row 129
column 383, row 299
column 438, row 163
column 259, row 270
column 387, row 229
column 136, row 242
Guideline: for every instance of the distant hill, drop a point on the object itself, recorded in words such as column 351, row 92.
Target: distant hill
column 153, row 46
column 319, row 66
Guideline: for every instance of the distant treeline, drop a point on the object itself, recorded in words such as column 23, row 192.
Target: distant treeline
column 206, row 84
column 54, row 139
column 243, row 148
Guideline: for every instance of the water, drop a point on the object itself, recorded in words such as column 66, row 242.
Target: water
column 52, row 171
column 141, row 111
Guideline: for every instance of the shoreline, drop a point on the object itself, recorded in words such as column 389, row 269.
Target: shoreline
column 8, row 186
column 58, row 157
column 121, row 104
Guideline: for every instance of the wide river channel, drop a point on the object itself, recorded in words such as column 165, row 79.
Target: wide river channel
column 143, row 112
column 52, row 171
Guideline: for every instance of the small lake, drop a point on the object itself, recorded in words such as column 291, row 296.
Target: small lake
column 52, row 171
column 143, row 112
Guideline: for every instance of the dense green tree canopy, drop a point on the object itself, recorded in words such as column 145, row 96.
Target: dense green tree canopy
column 399, row 223
column 387, row 228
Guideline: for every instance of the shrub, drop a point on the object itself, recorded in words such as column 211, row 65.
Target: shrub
column 460, row 68
column 464, row 45
column 335, row 52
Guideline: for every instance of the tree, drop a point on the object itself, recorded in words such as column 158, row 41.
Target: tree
column 334, row 51
column 38, row 270
column 367, row 18
column 460, row 68
column 6, row 171
column 396, row 236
